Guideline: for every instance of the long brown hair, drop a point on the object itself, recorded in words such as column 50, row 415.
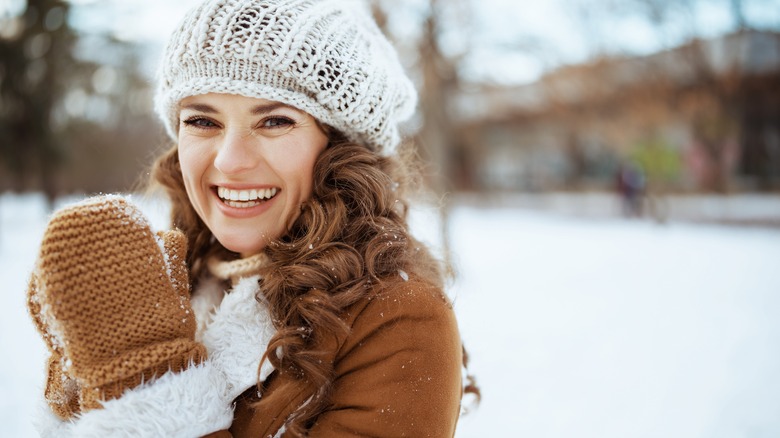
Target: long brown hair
column 350, row 237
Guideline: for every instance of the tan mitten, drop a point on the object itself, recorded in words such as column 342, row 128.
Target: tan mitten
column 113, row 297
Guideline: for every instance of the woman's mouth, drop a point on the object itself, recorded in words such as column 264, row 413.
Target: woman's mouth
column 245, row 198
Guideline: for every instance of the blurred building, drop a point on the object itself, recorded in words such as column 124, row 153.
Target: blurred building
column 702, row 116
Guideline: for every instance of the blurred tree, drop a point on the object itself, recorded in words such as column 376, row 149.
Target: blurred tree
column 75, row 110
column 105, row 118
column 35, row 47
column 438, row 139
column 438, row 74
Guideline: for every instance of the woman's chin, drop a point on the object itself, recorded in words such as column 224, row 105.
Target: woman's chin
column 243, row 246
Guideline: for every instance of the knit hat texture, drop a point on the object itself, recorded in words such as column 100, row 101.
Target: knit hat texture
column 111, row 299
column 325, row 57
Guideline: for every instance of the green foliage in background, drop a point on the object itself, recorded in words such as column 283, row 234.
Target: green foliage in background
column 659, row 160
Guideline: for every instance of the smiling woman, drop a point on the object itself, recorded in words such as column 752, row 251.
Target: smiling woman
column 291, row 298
column 247, row 166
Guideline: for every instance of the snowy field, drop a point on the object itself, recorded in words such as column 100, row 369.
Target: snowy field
column 596, row 327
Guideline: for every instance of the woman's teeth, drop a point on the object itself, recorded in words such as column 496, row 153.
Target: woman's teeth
column 245, row 198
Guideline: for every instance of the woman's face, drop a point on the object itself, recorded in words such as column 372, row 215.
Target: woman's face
column 247, row 165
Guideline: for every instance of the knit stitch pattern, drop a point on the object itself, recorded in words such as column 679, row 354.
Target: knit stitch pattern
column 234, row 270
column 325, row 57
column 112, row 298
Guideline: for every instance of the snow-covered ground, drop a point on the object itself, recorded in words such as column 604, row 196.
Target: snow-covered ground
column 596, row 327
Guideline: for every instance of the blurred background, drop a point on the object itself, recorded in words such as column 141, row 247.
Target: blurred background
column 515, row 97
column 604, row 175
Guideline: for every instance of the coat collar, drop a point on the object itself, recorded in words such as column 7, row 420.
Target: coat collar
column 235, row 324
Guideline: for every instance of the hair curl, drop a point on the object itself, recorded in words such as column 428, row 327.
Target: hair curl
column 350, row 236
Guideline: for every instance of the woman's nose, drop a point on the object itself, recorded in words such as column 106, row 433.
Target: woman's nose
column 237, row 153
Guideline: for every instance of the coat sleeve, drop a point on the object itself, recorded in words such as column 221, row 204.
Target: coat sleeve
column 399, row 372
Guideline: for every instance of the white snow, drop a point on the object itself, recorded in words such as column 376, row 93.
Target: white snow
column 595, row 327
column 619, row 329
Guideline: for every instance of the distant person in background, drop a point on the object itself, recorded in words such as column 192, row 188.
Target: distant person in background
column 291, row 298
column 630, row 185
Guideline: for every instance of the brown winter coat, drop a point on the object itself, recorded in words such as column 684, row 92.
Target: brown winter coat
column 398, row 373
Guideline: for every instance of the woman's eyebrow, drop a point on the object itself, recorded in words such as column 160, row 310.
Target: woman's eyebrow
column 200, row 107
column 270, row 107
column 257, row 110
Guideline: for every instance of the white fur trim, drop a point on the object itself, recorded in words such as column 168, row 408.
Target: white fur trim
column 187, row 404
column 205, row 301
column 238, row 335
column 48, row 424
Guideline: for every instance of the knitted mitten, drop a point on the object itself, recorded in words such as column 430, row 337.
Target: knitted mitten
column 111, row 298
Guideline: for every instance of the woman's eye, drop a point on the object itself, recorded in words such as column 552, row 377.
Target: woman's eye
column 199, row 122
column 277, row 122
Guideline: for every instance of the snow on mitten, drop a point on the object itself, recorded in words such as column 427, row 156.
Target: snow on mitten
column 174, row 246
column 62, row 392
column 114, row 298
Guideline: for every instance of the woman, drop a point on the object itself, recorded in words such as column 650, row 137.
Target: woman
column 312, row 311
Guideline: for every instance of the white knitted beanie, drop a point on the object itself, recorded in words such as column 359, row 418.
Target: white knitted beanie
column 325, row 57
